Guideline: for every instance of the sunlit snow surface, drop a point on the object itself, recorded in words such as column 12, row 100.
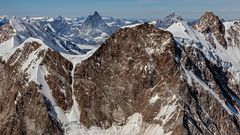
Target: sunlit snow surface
column 178, row 30
column 133, row 126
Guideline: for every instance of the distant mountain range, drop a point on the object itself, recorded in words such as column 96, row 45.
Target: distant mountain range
column 94, row 29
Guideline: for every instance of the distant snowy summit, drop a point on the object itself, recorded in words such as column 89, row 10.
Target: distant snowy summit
column 91, row 30
column 168, row 20
column 3, row 20
column 94, row 24
column 94, row 29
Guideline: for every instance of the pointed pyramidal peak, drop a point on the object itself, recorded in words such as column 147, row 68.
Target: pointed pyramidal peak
column 209, row 23
column 168, row 20
column 60, row 18
column 96, row 14
column 95, row 17
column 172, row 14
column 95, row 23
column 59, row 25
column 28, row 19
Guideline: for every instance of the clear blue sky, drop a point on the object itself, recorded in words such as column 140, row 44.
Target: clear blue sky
column 227, row 9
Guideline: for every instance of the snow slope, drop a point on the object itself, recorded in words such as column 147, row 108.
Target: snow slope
column 228, row 59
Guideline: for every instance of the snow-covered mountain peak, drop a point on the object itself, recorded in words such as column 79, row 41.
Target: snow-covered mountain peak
column 59, row 25
column 3, row 20
column 60, row 18
column 179, row 29
column 168, row 20
column 94, row 26
column 96, row 14
column 174, row 16
column 24, row 30
column 94, row 21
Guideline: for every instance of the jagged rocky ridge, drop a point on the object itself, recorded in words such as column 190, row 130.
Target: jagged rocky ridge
column 142, row 80
column 211, row 25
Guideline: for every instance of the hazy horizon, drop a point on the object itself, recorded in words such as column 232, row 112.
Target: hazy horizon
column 137, row 9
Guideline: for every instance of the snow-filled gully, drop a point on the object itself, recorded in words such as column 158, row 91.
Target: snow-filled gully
column 73, row 124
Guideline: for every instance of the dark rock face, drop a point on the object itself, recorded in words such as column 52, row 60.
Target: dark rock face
column 59, row 78
column 234, row 34
column 120, row 77
column 23, row 107
column 29, row 115
column 6, row 32
column 204, row 106
column 208, row 24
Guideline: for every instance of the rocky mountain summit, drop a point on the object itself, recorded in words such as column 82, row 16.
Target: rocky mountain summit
column 210, row 24
column 119, row 81
column 141, row 81
column 94, row 25
column 168, row 20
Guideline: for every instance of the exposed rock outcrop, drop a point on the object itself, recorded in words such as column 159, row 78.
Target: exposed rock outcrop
column 143, row 70
column 120, row 78
column 233, row 34
column 207, row 96
column 23, row 109
column 6, row 32
column 209, row 24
